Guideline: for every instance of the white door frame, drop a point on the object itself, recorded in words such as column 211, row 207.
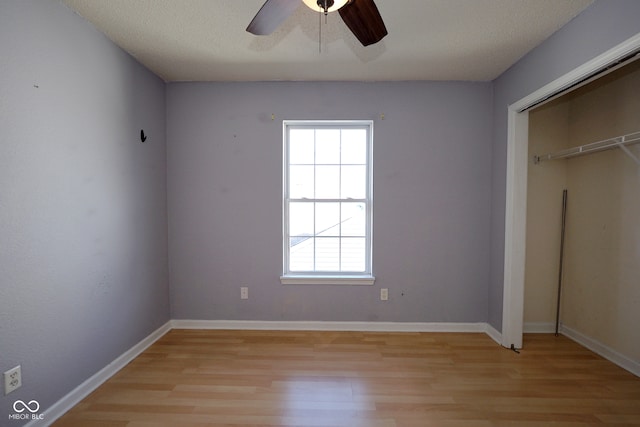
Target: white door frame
column 516, row 194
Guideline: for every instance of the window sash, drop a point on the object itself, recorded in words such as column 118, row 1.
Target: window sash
column 300, row 198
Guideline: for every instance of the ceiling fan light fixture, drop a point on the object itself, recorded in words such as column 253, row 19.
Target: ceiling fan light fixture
column 315, row 5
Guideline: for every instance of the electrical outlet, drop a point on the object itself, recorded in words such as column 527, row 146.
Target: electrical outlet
column 12, row 379
column 384, row 294
column 244, row 292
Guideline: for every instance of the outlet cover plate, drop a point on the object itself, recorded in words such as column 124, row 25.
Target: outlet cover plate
column 12, row 379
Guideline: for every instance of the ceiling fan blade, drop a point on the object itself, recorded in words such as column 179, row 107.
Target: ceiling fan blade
column 364, row 21
column 271, row 15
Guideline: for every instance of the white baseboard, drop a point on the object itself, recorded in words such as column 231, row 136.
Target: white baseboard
column 329, row 326
column 58, row 409
column 493, row 333
column 539, row 328
column 597, row 347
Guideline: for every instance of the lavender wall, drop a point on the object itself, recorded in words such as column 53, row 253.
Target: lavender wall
column 599, row 28
column 83, row 246
column 432, row 193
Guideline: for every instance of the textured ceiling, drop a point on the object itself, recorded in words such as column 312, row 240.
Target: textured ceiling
column 205, row 40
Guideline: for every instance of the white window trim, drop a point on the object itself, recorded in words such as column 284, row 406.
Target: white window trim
column 327, row 278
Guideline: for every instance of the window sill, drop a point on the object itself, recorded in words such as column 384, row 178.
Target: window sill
column 327, row 280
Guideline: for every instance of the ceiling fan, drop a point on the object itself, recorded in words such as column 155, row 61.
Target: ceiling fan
column 361, row 16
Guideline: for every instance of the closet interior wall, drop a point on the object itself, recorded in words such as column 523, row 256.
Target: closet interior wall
column 601, row 284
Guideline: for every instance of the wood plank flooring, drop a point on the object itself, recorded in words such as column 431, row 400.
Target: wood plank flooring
column 197, row 378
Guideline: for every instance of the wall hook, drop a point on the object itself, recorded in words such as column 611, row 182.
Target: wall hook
column 143, row 137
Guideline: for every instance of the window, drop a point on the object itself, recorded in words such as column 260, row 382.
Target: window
column 327, row 202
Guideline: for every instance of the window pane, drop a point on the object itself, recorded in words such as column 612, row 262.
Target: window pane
column 301, row 146
column 353, row 254
column 353, row 219
column 327, row 182
column 327, row 254
column 301, row 219
column 328, row 146
column 354, row 146
column 301, row 254
column 354, row 182
column 327, row 219
column 301, row 182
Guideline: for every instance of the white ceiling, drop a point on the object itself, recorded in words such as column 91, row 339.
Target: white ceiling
column 205, row 40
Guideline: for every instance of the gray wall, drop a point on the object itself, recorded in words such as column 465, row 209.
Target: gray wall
column 432, row 190
column 83, row 240
column 599, row 28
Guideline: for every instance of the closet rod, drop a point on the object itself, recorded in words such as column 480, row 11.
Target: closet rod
column 594, row 147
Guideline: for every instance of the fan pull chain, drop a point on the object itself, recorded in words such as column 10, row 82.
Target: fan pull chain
column 324, row 5
column 319, row 33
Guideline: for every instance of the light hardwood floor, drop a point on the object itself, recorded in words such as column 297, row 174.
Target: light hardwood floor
column 265, row 378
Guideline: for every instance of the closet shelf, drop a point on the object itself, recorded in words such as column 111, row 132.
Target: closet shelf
column 607, row 144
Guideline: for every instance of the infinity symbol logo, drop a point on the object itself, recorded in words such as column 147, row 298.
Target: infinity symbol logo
column 26, row 406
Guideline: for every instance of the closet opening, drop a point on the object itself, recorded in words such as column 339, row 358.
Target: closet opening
column 520, row 230
column 587, row 144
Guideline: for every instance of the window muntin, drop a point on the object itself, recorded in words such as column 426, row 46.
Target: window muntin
column 327, row 198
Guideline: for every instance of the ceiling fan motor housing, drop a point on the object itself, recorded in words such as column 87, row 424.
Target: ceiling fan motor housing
column 325, row 5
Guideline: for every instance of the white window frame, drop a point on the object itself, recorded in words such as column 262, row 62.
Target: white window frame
column 328, row 278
